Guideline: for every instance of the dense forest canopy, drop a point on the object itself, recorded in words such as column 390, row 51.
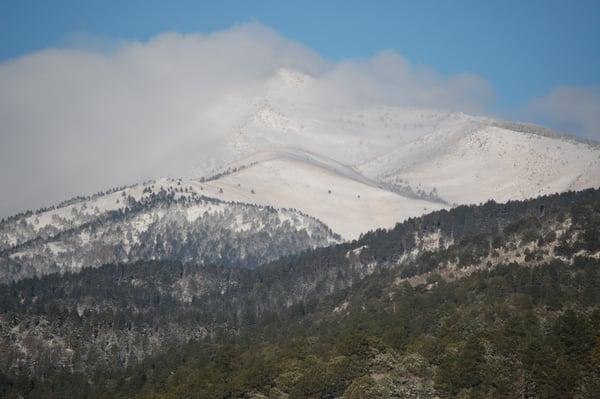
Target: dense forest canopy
column 496, row 300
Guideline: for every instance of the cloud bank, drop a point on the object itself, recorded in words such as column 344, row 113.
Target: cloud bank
column 569, row 109
column 78, row 120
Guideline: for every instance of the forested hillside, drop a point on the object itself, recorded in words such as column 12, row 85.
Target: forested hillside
column 497, row 300
column 165, row 225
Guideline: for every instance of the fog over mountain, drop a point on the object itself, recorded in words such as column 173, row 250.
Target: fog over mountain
column 79, row 120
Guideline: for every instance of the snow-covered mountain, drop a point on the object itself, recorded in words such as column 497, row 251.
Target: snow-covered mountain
column 346, row 201
column 165, row 219
column 489, row 161
column 289, row 172
column 288, row 111
column 460, row 158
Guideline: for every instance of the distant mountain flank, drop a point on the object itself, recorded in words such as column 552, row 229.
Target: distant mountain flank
column 157, row 220
column 448, row 157
column 490, row 162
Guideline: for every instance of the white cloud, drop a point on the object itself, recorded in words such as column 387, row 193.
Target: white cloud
column 77, row 120
column 388, row 78
column 569, row 109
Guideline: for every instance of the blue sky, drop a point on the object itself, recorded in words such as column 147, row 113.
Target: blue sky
column 523, row 48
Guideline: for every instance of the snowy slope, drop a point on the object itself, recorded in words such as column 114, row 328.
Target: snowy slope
column 490, row 162
column 466, row 159
column 170, row 221
column 344, row 200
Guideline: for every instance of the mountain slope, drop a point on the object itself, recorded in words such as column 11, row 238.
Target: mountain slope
column 465, row 158
column 490, row 162
column 344, row 200
column 400, row 304
column 172, row 223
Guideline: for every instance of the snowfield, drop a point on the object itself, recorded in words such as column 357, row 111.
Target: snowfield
column 491, row 163
column 347, row 202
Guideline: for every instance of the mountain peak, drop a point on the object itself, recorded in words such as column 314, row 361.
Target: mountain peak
column 291, row 78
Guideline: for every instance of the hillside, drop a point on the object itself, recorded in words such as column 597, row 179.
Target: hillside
column 347, row 202
column 404, row 311
column 491, row 162
column 164, row 222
